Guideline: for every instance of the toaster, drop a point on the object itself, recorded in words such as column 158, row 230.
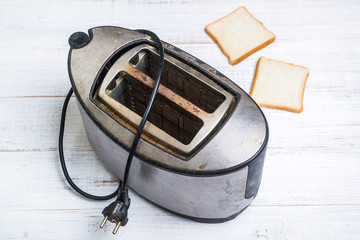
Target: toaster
column 202, row 149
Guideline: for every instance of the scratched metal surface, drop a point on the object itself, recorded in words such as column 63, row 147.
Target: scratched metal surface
column 311, row 182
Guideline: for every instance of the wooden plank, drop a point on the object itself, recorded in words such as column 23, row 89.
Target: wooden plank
column 296, row 223
column 330, row 73
column 33, row 124
column 302, row 206
column 181, row 17
column 294, row 179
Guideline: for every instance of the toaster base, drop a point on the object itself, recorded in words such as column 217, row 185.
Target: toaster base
column 203, row 198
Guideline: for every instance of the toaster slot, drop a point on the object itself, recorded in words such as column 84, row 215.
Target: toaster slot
column 165, row 114
column 180, row 82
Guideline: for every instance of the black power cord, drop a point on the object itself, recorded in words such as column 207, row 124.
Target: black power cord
column 62, row 158
column 149, row 106
column 116, row 212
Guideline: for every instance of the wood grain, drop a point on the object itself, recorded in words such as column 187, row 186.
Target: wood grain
column 311, row 183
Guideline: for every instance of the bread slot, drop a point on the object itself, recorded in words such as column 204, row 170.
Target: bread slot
column 165, row 114
column 179, row 81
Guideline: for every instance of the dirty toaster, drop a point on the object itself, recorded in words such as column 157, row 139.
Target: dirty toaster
column 202, row 148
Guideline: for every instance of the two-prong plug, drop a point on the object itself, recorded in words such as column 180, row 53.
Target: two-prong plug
column 117, row 211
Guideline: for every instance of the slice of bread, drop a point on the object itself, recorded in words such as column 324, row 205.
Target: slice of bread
column 239, row 35
column 279, row 85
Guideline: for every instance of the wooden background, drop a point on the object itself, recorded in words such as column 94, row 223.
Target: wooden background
column 310, row 187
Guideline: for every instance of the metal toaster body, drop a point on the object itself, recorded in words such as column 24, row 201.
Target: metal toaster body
column 202, row 150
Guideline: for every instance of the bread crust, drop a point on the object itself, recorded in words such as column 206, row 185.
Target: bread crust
column 295, row 110
column 236, row 61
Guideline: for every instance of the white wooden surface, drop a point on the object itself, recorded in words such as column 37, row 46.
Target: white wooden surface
column 311, row 179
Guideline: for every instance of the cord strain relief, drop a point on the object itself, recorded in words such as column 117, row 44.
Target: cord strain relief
column 123, row 196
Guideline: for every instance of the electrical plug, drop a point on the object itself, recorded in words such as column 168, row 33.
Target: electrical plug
column 117, row 211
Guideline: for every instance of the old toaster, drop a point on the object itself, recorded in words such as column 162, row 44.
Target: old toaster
column 202, row 149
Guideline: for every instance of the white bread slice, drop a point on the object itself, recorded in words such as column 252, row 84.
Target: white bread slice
column 239, row 35
column 279, row 85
